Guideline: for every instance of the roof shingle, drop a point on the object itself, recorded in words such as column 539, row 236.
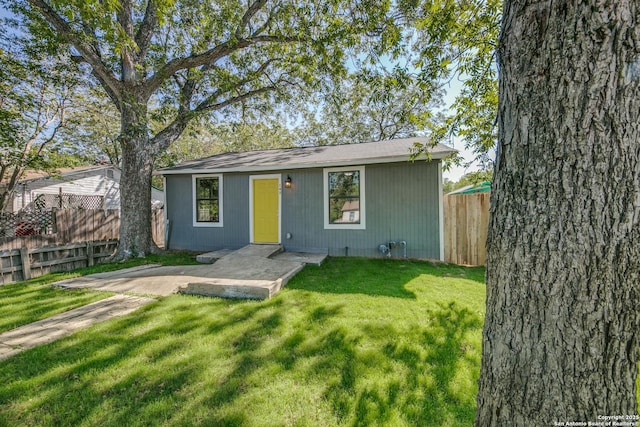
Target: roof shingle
column 310, row 157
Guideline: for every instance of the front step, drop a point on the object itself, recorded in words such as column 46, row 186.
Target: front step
column 238, row 288
column 249, row 273
column 263, row 251
column 233, row 288
column 211, row 257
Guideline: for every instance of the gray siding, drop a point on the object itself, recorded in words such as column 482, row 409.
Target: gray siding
column 402, row 204
column 180, row 205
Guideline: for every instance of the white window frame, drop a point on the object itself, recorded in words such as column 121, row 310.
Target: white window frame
column 325, row 175
column 194, row 206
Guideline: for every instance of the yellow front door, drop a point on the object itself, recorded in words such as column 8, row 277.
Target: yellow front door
column 266, row 205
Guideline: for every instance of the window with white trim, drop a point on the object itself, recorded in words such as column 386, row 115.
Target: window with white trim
column 344, row 206
column 207, row 196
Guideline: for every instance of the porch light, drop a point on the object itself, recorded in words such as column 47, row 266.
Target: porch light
column 287, row 182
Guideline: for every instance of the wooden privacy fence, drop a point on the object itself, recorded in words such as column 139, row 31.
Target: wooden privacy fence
column 25, row 263
column 466, row 222
column 81, row 226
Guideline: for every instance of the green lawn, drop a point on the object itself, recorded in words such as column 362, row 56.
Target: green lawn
column 354, row 342
column 26, row 302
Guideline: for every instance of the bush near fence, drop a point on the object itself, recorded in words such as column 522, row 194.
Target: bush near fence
column 466, row 222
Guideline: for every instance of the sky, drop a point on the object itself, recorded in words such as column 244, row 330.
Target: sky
column 456, row 172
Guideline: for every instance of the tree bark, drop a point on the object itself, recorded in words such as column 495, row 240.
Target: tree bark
column 135, row 183
column 561, row 334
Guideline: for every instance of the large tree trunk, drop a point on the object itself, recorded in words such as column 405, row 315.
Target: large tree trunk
column 135, row 184
column 560, row 339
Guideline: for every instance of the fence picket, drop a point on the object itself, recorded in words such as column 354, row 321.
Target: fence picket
column 466, row 221
column 36, row 262
column 81, row 226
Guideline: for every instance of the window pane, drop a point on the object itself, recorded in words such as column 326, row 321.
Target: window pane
column 344, row 184
column 208, row 211
column 207, row 188
column 344, row 210
column 207, row 203
column 344, row 197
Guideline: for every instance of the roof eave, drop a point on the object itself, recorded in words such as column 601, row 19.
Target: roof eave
column 265, row 168
column 68, row 174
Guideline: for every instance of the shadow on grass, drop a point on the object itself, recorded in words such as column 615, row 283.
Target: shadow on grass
column 380, row 277
column 21, row 304
column 297, row 359
column 424, row 394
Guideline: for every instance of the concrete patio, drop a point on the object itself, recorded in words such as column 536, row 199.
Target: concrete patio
column 252, row 272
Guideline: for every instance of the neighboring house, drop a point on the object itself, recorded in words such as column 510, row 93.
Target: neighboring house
column 86, row 187
column 341, row 200
column 350, row 213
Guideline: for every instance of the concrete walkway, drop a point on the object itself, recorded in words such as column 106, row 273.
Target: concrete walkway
column 254, row 272
column 63, row 324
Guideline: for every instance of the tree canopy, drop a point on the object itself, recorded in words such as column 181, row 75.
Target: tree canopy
column 35, row 96
column 167, row 64
column 456, row 40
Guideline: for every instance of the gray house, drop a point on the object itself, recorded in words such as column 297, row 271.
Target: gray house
column 340, row 200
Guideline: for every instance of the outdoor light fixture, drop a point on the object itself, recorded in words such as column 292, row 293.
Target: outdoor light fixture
column 287, row 182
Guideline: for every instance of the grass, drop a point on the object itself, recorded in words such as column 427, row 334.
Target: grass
column 354, row 342
column 21, row 304
column 26, row 302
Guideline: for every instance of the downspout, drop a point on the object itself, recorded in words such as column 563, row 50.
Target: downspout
column 167, row 224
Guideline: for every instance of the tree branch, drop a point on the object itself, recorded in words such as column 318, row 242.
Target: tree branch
column 204, row 105
column 60, row 110
column 250, row 13
column 263, row 27
column 209, row 57
column 239, row 98
column 91, row 34
column 193, row 61
column 146, row 30
column 165, row 137
column 128, row 62
column 91, row 56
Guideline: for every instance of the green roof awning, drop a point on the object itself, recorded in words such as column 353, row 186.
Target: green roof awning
column 471, row 189
column 480, row 188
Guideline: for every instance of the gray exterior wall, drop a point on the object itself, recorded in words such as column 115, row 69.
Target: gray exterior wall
column 402, row 204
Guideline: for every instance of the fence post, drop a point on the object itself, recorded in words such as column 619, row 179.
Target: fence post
column 26, row 264
column 90, row 260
